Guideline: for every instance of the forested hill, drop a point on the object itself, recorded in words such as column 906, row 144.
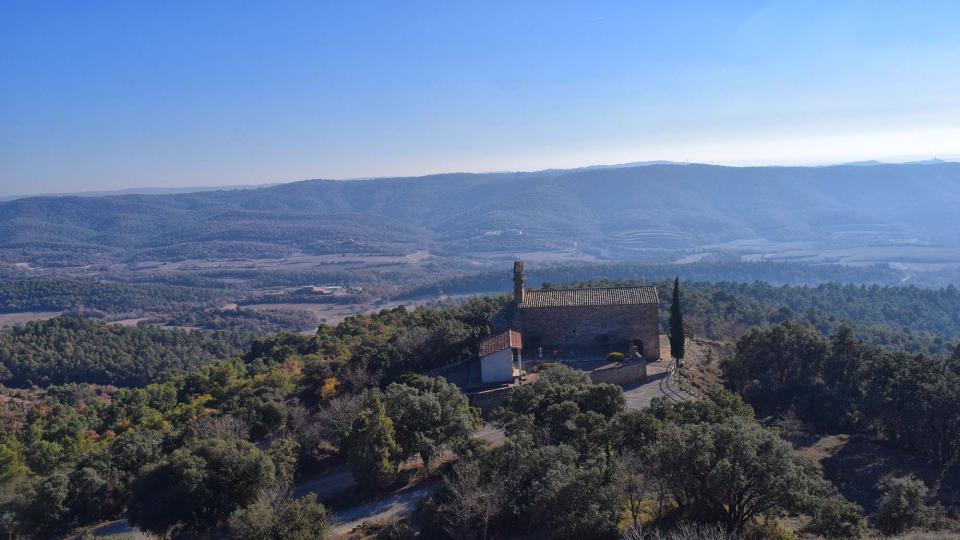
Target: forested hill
column 610, row 211
column 74, row 350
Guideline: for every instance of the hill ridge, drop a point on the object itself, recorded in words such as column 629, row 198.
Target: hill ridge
column 608, row 212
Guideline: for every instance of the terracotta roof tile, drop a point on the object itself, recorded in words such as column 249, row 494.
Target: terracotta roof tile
column 606, row 296
column 504, row 340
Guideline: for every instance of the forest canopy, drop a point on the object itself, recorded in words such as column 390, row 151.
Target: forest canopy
column 76, row 350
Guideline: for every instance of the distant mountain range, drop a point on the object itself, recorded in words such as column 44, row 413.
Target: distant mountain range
column 135, row 191
column 872, row 162
column 610, row 212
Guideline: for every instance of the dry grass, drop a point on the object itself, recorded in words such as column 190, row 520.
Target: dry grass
column 701, row 365
column 23, row 317
column 858, row 467
column 931, row 535
column 681, row 531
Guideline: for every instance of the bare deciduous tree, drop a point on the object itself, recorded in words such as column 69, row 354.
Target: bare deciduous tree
column 336, row 418
column 223, row 426
column 634, row 484
column 681, row 531
column 472, row 502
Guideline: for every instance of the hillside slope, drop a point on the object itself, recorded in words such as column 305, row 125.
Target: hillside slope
column 614, row 212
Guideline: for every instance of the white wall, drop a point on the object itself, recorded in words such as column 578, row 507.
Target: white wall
column 497, row 367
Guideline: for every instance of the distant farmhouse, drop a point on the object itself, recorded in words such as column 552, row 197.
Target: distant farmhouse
column 569, row 323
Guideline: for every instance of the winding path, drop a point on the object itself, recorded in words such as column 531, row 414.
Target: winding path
column 398, row 504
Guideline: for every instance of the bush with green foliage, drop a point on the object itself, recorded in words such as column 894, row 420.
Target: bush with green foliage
column 903, row 506
column 734, row 472
column 836, row 517
column 281, row 518
column 197, row 488
column 616, row 357
column 429, row 414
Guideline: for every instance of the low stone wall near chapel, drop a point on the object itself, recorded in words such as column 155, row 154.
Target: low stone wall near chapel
column 624, row 375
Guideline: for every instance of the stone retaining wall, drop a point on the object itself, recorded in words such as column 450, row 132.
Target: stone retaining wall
column 488, row 400
column 623, row 375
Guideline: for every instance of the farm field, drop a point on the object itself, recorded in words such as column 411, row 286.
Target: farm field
column 13, row 319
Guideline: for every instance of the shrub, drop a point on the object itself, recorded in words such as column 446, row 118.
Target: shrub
column 281, row 518
column 197, row 488
column 837, row 518
column 616, row 357
column 903, row 506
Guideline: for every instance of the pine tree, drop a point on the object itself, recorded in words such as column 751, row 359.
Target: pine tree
column 677, row 334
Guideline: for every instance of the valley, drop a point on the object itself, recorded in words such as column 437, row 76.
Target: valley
column 269, row 322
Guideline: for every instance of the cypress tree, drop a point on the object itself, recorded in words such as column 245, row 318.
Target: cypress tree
column 677, row 334
column 372, row 449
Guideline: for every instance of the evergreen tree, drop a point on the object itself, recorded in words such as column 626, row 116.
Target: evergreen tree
column 428, row 414
column 372, row 450
column 195, row 489
column 677, row 334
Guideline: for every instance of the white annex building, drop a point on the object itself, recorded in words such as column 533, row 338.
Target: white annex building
column 500, row 358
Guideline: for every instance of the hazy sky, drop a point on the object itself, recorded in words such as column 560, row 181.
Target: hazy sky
column 106, row 95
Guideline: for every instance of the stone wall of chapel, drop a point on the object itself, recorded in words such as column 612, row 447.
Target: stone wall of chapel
column 592, row 327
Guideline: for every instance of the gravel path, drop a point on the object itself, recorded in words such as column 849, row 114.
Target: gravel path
column 659, row 384
column 399, row 504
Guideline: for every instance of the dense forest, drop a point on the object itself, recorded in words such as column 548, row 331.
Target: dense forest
column 83, row 455
column 575, row 462
column 212, row 447
column 93, row 296
column 908, row 319
column 75, row 350
column 841, row 384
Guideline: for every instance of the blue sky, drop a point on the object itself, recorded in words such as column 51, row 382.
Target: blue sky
column 106, row 95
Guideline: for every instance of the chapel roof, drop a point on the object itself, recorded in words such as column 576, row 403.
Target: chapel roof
column 604, row 296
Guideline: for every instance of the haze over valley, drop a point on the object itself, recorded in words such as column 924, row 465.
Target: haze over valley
column 374, row 270
column 851, row 214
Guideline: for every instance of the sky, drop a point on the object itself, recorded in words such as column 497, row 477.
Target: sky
column 111, row 95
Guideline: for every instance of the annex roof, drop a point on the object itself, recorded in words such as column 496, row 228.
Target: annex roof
column 509, row 339
column 605, row 296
